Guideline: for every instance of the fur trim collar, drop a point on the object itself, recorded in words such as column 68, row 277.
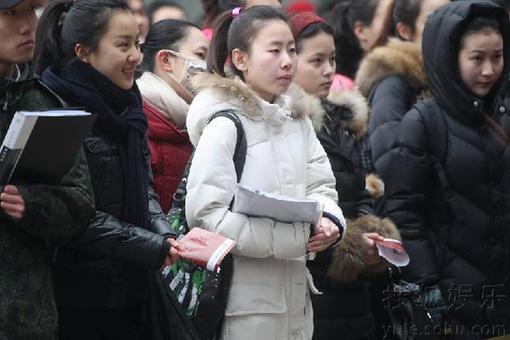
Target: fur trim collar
column 398, row 57
column 237, row 93
column 352, row 101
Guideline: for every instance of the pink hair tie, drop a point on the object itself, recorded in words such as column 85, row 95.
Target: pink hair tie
column 236, row 12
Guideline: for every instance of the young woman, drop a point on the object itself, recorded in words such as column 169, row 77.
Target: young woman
column 359, row 26
column 442, row 191
column 392, row 77
column 173, row 51
column 269, row 296
column 88, row 51
column 340, row 122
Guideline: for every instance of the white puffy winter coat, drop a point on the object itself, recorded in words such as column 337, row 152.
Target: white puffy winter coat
column 269, row 294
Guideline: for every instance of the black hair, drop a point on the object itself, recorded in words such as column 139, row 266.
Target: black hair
column 311, row 31
column 231, row 33
column 158, row 4
column 406, row 12
column 342, row 19
column 479, row 24
column 165, row 34
column 64, row 23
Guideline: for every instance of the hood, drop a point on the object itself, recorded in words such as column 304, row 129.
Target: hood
column 440, row 46
column 397, row 57
column 160, row 95
column 217, row 93
column 351, row 107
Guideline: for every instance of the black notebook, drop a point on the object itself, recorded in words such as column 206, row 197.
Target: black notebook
column 41, row 147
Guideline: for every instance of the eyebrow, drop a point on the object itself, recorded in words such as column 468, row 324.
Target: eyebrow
column 279, row 43
column 127, row 36
column 483, row 51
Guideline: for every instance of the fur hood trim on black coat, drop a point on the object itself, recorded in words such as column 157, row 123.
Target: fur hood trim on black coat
column 347, row 259
column 236, row 92
column 397, row 57
column 348, row 100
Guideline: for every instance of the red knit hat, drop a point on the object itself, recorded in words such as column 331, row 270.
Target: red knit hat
column 300, row 6
column 302, row 20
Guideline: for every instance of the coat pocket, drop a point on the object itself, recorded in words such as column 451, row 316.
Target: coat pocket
column 246, row 299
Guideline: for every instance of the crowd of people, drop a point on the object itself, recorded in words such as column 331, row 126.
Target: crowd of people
column 392, row 114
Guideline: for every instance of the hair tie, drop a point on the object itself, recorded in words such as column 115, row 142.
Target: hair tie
column 236, row 12
column 62, row 16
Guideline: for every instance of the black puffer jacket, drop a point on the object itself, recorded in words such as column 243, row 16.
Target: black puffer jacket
column 391, row 77
column 462, row 248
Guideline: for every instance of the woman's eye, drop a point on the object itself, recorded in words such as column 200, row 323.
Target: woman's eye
column 292, row 50
column 275, row 51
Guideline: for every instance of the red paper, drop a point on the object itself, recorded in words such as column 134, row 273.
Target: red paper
column 204, row 248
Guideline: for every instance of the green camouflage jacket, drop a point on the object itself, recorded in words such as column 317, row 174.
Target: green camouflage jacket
column 54, row 214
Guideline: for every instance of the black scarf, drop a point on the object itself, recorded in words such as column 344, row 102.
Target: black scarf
column 120, row 115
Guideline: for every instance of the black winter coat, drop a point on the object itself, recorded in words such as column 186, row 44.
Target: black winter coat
column 344, row 308
column 461, row 246
column 104, row 263
column 391, row 77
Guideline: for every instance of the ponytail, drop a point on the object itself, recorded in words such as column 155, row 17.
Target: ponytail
column 218, row 50
column 65, row 23
column 237, row 31
column 48, row 51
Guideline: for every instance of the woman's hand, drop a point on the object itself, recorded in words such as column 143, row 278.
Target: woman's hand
column 324, row 236
column 370, row 252
column 12, row 202
column 173, row 254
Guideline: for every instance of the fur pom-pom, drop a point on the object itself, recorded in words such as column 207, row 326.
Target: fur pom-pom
column 374, row 185
column 347, row 258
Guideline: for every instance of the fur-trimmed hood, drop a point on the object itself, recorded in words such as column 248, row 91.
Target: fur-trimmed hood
column 237, row 93
column 347, row 261
column 397, row 57
column 352, row 101
column 216, row 93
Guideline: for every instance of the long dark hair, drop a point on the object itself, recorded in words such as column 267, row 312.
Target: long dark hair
column 165, row 34
column 64, row 23
column 342, row 19
column 231, row 33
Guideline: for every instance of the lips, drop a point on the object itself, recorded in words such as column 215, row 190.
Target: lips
column 27, row 42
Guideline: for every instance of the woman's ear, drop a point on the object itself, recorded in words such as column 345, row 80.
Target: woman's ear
column 165, row 61
column 82, row 53
column 360, row 33
column 404, row 31
column 240, row 60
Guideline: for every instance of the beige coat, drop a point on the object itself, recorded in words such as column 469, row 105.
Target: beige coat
column 269, row 294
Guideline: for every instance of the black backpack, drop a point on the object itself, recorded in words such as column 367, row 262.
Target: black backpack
column 207, row 308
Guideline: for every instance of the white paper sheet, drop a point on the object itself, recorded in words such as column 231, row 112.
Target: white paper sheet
column 278, row 207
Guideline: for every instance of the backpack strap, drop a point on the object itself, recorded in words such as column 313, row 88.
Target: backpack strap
column 239, row 156
column 241, row 143
column 437, row 135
